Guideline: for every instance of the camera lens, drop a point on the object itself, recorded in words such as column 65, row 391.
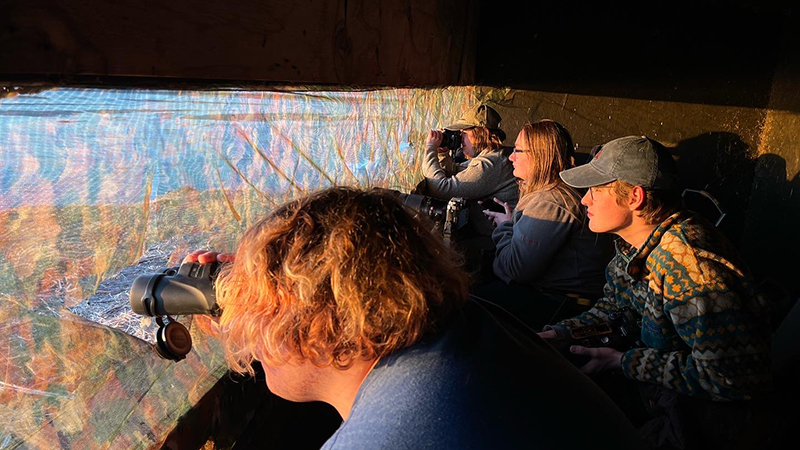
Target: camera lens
column 451, row 139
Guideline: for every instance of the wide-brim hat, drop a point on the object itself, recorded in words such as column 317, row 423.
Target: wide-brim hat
column 477, row 116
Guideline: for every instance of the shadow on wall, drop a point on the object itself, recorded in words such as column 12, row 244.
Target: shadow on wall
column 723, row 165
column 772, row 230
column 762, row 212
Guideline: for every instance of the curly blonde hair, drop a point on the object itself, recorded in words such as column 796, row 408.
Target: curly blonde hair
column 333, row 277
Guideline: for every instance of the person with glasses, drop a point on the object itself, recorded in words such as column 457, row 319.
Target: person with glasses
column 545, row 242
column 704, row 328
column 484, row 175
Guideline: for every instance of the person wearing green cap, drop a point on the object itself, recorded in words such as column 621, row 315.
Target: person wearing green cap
column 704, row 327
column 486, row 174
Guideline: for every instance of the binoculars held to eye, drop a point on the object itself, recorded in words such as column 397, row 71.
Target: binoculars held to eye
column 186, row 289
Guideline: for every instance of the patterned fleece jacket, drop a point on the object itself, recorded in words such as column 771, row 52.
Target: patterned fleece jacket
column 705, row 328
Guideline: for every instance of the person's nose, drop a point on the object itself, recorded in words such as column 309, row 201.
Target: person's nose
column 586, row 200
column 512, row 157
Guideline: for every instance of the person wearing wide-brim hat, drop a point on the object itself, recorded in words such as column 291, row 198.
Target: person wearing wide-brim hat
column 486, row 174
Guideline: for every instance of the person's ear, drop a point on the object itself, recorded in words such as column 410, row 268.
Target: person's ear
column 636, row 198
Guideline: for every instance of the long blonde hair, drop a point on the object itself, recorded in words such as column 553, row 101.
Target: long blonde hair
column 550, row 150
column 485, row 139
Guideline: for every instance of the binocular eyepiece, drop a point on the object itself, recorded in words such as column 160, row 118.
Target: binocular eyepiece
column 186, row 289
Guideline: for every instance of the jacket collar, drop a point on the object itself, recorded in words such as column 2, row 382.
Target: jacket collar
column 634, row 258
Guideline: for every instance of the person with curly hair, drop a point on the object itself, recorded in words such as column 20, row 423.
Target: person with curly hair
column 346, row 297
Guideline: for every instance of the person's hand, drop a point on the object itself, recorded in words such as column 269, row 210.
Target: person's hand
column 499, row 217
column 435, row 140
column 602, row 358
column 206, row 257
column 549, row 334
column 209, row 324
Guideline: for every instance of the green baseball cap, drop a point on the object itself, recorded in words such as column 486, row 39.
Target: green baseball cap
column 636, row 160
column 477, row 116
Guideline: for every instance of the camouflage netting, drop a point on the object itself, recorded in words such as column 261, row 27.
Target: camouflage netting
column 94, row 181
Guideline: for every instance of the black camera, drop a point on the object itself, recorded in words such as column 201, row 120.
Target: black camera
column 447, row 216
column 186, row 289
column 451, row 139
column 621, row 332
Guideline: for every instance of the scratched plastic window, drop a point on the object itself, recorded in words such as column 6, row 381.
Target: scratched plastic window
column 97, row 186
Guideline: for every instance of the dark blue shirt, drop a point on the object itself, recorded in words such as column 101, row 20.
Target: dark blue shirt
column 483, row 382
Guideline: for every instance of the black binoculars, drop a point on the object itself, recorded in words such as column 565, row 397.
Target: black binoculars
column 186, row 289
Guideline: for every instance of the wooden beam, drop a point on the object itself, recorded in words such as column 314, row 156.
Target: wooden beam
column 355, row 42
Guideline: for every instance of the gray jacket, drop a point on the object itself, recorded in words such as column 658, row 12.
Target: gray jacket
column 490, row 174
column 548, row 244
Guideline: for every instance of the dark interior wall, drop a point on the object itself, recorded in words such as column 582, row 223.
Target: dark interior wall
column 364, row 42
column 693, row 51
column 773, row 213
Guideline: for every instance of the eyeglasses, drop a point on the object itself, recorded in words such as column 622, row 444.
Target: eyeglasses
column 516, row 150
